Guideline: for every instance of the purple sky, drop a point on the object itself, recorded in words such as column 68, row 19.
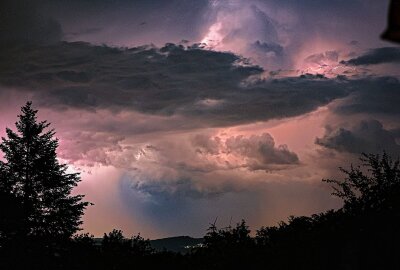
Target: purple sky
column 178, row 112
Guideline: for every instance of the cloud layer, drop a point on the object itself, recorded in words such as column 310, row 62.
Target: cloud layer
column 212, row 88
column 364, row 137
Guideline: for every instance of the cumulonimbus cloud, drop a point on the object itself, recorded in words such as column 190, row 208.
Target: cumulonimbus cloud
column 166, row 117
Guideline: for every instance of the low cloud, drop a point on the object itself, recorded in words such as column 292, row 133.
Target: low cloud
column 256, row 152
column 378, row 96
column 193, row 165
column 386, row 55
column 190, row 153
column 90, row 148
column 273, row 49
column 261, row 151
column 368, row 136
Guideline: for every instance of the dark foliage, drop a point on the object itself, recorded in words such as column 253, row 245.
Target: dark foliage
column 374, row 186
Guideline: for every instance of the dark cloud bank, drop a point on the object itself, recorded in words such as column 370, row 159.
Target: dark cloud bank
column 384, row 55
column 173, row 80
column 168, row 80
column 208, row 88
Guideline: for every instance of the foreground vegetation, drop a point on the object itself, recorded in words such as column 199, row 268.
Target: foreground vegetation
column 39, row 219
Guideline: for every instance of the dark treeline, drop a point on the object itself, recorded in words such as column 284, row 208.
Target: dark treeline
column 39, row 221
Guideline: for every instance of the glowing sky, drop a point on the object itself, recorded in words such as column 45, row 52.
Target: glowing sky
column 178, row 112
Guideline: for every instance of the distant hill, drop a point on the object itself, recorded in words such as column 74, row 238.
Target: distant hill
column 180, row 244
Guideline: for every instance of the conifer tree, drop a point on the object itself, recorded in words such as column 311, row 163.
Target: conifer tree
column 32, row 178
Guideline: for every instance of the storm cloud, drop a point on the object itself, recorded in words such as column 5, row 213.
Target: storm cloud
column 376, row 56
column 213, row 88
column 365, row 137
column 376, row 95
column 188, row 110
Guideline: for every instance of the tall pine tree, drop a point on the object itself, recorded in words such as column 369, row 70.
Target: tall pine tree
column 37, row 187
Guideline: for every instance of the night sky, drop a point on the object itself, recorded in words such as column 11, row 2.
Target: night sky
column 177, row 112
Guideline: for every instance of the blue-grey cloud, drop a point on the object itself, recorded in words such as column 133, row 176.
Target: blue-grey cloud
column 384, row 55
column 265, row 48
column 367, row 136
column 260, row 151
column 378, row 96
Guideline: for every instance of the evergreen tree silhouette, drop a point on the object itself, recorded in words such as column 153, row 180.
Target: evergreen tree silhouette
column 37, row 186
